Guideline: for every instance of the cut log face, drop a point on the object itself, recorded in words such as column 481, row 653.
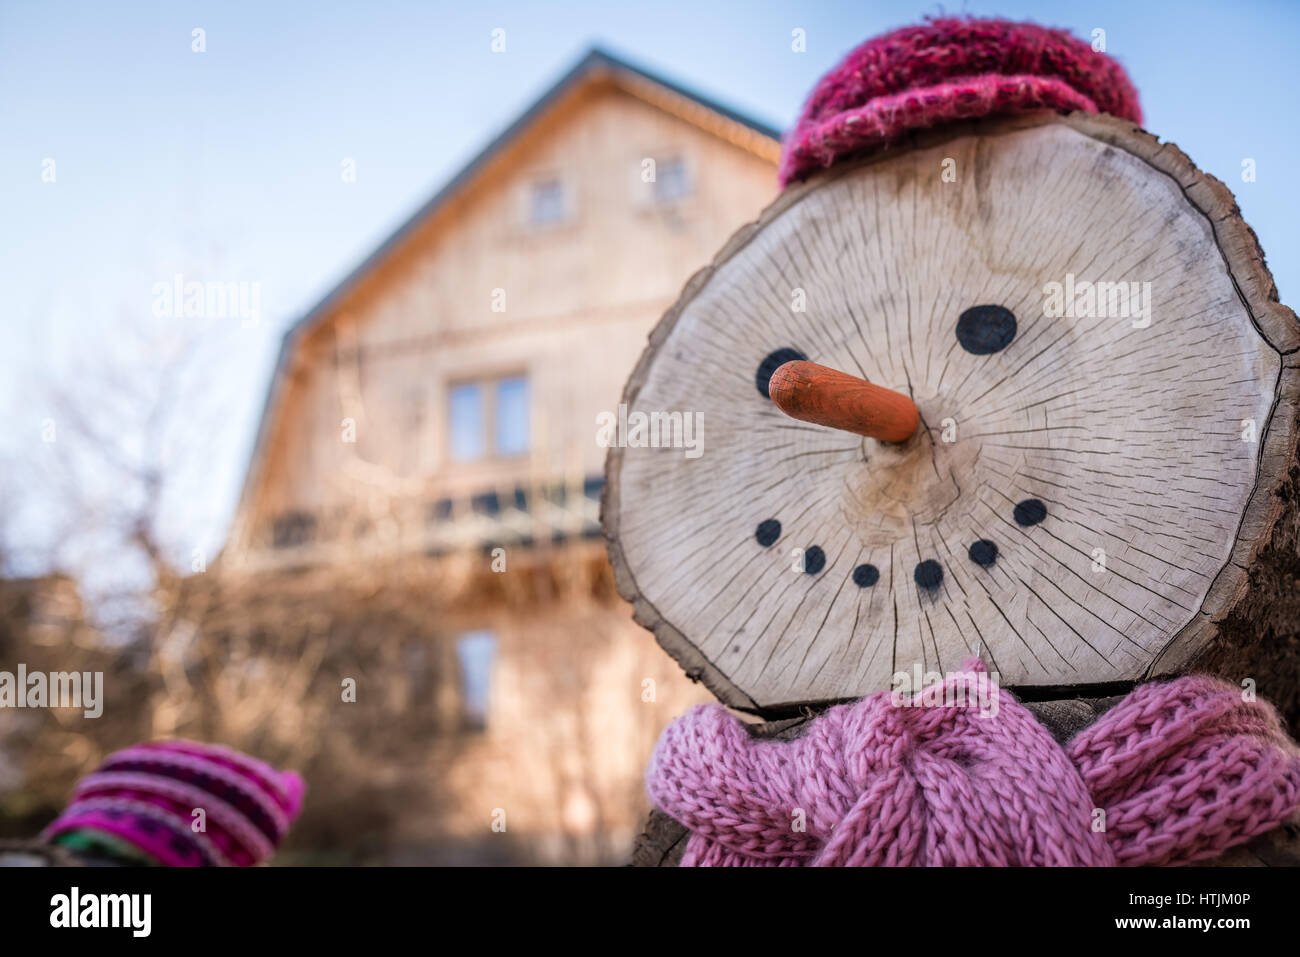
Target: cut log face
column 1090, row 336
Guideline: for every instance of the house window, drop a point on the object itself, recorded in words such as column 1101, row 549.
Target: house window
column 292, row 529
column 476, row 651
column 546, row 202
column 468, row 433
column 672, row 181
column 489, row 418
column 511, row 418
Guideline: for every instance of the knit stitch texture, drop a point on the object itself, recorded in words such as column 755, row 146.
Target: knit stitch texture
column 1177, row 772
column 944, row 70
column 146, row 795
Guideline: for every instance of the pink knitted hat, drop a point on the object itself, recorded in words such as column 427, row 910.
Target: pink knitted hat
column 943, row 70
column 146, row 795
column 1177, row 772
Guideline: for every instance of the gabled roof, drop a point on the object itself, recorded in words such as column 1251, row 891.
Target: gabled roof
column 595, row 62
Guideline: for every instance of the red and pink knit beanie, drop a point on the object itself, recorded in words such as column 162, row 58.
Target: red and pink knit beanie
column 944, row 70
column 147, row 796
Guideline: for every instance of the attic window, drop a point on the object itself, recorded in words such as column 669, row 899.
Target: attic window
column 546, row 203
column 672, row 181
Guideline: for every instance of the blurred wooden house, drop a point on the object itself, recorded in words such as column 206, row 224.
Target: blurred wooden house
column 439, row 409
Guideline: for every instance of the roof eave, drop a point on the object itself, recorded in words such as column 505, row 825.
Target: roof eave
column 595, row 59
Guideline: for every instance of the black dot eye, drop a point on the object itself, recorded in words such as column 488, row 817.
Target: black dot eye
column 768, row 531
column 928, row 574
column 1029, row 512
column 814, row 560
column 983, row 552
column 864, row 576
column 983, row 330
column 772, row 362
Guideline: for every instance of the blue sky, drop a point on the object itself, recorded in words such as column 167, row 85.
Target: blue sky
column 226, row 164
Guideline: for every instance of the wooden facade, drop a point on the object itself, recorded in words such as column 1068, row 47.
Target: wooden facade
column 546, row 262
column 354, row 445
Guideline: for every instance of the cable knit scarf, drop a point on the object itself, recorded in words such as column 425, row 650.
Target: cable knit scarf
column 1177, row 772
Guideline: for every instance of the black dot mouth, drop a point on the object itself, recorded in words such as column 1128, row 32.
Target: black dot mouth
column 1029, row 512
column 928, row 574
column 983, row 552
column 771, row 362
column 864, row 576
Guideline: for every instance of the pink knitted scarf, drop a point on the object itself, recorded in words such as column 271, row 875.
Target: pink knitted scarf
column 1177, row 772
column 944, row 70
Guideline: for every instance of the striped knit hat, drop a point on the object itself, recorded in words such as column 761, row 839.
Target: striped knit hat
column 147, row 796
column 949, row 69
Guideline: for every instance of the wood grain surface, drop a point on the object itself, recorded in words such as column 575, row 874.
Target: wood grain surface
column 1085, row 497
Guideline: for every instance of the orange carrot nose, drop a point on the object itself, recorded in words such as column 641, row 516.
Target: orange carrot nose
column 813, row 393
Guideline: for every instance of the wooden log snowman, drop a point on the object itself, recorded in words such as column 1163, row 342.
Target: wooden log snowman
column 999, row 419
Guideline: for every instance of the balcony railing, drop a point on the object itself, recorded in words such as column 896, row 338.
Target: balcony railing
column 514, row 515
